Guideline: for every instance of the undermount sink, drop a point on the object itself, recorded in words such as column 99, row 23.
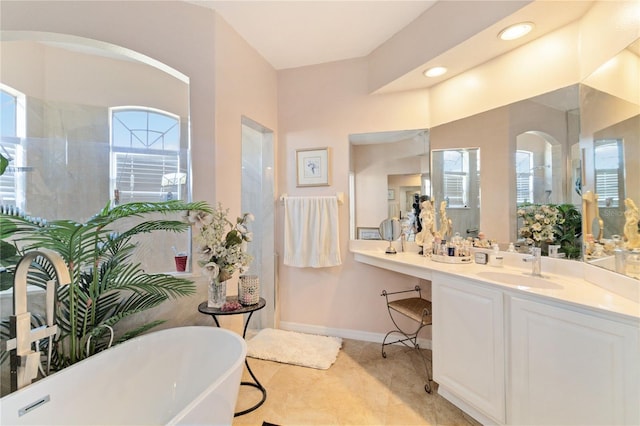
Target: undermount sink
column 519, row 279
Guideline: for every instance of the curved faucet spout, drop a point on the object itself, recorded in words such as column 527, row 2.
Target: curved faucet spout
column 24, row 360
column 536, row 261
column 22, row 269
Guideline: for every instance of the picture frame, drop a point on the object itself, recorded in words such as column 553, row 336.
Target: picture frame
column 312, row 167
column 391, row 194
column 368, row 233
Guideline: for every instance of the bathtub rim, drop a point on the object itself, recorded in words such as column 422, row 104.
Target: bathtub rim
column 223, row 377
column 237, row 363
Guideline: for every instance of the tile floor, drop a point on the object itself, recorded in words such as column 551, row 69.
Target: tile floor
column 360, row 388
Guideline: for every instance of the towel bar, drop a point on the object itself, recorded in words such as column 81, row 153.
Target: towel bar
column 339, row 196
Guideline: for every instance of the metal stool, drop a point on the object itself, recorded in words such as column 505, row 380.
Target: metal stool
column 417, row 309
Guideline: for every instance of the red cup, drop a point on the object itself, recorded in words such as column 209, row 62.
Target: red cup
column 181, row 263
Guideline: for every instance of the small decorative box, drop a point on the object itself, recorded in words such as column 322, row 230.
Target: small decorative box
column 481, row 258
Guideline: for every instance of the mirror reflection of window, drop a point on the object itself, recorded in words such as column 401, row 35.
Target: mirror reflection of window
column 13, row 127
column 524, row 176
column 145, row 155
column 609, row 167
column 456, row 178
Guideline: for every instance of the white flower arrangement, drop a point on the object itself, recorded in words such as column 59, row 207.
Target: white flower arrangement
column 222, row 244
column 538, row 223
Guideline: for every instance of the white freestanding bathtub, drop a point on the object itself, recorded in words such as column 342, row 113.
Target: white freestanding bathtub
column 184, row 375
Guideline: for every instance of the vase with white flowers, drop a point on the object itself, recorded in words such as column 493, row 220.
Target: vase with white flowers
column 539, row 223
column 222, row 246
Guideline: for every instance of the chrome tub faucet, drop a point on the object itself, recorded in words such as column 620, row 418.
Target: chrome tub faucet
column 24, row 360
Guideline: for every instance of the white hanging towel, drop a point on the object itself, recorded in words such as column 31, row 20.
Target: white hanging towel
column 311, row 232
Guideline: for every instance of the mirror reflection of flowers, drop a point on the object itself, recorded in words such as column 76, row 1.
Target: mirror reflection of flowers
column 538, row 223
column 221, row 243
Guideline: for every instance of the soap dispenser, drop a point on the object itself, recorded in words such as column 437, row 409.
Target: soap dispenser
column 494, row 258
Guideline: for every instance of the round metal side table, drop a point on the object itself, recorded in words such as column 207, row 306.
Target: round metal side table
column 215, row 312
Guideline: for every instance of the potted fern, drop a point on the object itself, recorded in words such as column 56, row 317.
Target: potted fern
column 106, row 285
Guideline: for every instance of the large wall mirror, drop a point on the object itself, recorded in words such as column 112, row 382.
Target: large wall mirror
column 85, row 123
column 387, row 171
column 610, row 141
column 547, row 163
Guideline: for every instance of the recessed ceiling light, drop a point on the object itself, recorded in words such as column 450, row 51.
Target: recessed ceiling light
column 516, row 31
column 435, row 71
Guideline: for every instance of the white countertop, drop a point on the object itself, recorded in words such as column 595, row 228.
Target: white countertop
column 564, row 280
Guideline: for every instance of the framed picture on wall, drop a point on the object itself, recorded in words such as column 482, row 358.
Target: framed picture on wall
column 312, row 167
column 391, row 194
column 368, row 233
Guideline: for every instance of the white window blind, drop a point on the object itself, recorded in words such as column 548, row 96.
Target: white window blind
column 8, row 179
column 608, row 167
column 455, row 189
column 607, row 188
column 524, row 177
column 139, row 176
column 456, row 178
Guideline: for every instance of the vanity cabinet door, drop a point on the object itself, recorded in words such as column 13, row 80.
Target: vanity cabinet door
column 570, row 368
column 468, row 345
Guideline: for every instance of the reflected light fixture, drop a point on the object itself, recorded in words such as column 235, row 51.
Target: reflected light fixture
column 515, row 31
column 435, row 71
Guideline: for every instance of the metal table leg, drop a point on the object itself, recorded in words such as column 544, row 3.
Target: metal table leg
column 256, row 384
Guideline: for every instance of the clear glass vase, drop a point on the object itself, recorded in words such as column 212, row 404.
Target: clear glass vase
column 217, row 293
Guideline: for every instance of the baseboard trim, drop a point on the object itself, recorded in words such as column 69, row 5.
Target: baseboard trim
column 365, row 336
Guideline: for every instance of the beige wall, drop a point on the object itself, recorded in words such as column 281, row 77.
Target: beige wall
column 320, row 106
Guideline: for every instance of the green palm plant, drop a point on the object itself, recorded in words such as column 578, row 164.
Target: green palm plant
column 106, row 285
column 568, row 231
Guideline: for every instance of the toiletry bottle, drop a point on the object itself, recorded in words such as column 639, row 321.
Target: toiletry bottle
column 497, row 258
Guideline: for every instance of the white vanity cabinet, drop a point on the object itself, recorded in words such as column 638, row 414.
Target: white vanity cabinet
column 468, row 342
column 560, row 351
column 570, row 368
column 507, row 358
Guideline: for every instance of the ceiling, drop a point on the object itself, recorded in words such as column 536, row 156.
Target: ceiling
column 295, row 33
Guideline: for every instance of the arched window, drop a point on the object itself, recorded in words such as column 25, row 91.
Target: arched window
column 524, row 177
column 145, row 155
column 12, row 181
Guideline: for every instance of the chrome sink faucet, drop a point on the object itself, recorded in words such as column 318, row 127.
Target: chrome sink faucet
column 24, row 360
column 536, row 261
